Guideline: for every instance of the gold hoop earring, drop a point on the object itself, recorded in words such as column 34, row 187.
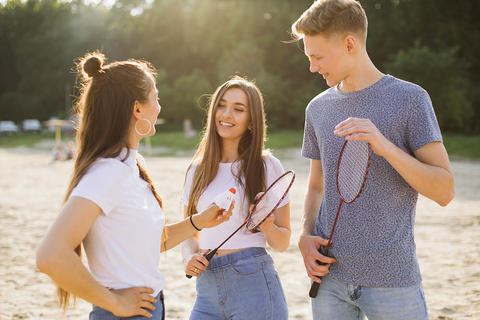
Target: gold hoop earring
column 149, row 127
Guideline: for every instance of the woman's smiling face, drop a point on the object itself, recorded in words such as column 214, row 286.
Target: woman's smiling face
column 232, row 117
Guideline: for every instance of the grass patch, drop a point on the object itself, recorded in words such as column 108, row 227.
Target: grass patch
column 174, row 140
column 26, row 139
column 462, row 146
column 284, row 139
column 457, row 145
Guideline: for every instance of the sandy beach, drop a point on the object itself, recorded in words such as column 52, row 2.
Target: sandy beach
column 32, row 190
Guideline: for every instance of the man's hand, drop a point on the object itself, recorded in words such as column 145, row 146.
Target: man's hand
column 309, row 246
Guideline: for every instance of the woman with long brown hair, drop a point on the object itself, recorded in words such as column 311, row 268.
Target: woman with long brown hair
column 111, row 205
column 240, row 281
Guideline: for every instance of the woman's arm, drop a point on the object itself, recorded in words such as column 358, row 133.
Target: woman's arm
column 56, row 258
column 182, row 230
column 193, row 261
column 277, row 228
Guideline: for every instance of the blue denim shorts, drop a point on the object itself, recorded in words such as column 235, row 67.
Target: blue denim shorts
column 242, row 285
column 337, row 300
column 157, row 314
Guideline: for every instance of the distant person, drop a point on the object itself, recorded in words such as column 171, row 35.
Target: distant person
column 240, row 281
column 188, row 129
column 57, row 154
column 373, row 270
column 111, row 206
column 70, row 151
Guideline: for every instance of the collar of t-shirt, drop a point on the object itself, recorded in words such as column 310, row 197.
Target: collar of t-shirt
column 131, row 160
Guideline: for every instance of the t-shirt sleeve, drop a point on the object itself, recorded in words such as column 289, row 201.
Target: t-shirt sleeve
column 422, row 125
column 310, row 147
column 188, row 185
column 101, row 185
column 274, row 171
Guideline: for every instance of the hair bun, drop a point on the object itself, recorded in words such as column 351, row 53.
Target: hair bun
column 92, row 63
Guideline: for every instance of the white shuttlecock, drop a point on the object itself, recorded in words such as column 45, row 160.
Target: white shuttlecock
column 224, row 200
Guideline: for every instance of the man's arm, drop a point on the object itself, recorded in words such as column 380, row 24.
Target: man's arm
column 307, row 243
column 429, row 172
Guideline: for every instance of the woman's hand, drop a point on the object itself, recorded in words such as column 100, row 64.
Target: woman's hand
column 268, row 223
column 213, row 216
column 134, row 301
column 195, row 265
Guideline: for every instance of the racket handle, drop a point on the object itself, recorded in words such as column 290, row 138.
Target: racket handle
column 315, row 285
column 314, row 289
column 208, row 256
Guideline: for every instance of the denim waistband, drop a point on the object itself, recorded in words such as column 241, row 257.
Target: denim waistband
column 159, row 295
column 235, row 256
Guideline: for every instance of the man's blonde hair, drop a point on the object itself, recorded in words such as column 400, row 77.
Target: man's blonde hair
column 332, row 17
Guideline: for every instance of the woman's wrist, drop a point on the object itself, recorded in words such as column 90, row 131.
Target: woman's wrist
column 113, row 303
column 197, row 223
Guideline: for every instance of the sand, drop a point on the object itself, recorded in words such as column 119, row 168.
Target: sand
column 32, row 189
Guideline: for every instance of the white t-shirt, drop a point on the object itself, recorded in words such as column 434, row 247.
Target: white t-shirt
column 123, row 244
column 224, row 180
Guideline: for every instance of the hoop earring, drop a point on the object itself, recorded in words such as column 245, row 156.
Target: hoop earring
column 149, row 127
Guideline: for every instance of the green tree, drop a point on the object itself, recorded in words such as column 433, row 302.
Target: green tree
column 442, row 74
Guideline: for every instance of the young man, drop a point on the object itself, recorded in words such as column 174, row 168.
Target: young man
column 374, row 271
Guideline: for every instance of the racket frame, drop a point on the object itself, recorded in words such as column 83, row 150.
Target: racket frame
column 208, row 254
column 279, row 201
column 315, row 285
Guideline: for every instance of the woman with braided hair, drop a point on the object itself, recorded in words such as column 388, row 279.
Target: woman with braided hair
column 111, row 206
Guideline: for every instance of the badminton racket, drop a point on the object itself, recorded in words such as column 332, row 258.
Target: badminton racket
column 266, row 204
column 352, row 171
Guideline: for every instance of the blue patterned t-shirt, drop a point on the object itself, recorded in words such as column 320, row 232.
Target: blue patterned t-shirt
column 373, row 241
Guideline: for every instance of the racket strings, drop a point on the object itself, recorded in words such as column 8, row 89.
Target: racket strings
column 269, row 201
column 352, row 169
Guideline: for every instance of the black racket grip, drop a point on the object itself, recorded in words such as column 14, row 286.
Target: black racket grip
column 315, row 285
column 209, row 256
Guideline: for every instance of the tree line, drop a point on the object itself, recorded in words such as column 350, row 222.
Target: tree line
column 198, row 44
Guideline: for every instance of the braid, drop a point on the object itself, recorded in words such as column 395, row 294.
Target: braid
column 144, row 175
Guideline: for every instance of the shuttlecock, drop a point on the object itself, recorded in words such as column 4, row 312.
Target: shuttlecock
column 224, row 200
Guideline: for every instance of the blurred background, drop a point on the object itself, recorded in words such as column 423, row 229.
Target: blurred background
column 198, row 44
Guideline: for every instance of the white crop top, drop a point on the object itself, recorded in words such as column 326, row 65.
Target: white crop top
column 212, row 237
column 123, row 244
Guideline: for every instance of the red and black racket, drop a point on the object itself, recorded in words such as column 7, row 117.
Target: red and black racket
column 266, row 204
column 352, row 171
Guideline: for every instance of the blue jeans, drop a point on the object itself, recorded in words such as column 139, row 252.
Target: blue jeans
column 242, row 285
column 337, row 300
column 157, row 314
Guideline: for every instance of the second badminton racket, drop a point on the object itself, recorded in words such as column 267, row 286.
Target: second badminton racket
column 352, row 170
column 266, row 204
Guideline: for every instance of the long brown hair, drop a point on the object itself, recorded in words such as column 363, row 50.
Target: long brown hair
column 105, row 107
column 251, row 151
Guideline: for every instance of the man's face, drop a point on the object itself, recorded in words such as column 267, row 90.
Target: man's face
column 329, row 57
